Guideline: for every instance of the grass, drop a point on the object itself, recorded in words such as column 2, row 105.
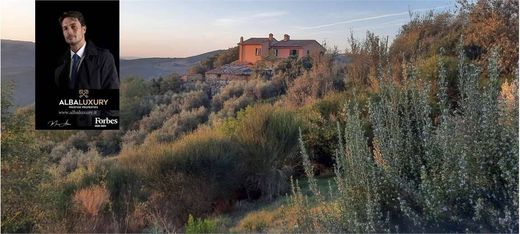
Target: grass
column 276, row 216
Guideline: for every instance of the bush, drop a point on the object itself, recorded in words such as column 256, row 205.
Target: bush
column 200, row 225
column 123, row 185
column 109, row 142
column 134, row 104
column 92, row 199
column 177, row 125
column 259, row 221
column 267, row 136
column 458, row 175
column 196, row 174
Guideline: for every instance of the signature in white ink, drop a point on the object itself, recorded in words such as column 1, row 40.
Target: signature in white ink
column 56, row 123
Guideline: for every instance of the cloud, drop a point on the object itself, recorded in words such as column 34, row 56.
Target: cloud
column 232, row 21
column 368, row 18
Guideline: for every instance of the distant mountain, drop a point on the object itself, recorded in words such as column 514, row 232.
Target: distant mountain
column 18, row 66
column 148, row 68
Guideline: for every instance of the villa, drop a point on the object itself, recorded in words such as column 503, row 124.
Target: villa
column 254, row 49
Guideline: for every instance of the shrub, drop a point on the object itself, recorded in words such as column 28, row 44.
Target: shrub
column 194, row 175
column 455, row 175
column 267, row 136
column 134, row 101
column 195, row 99
column 109, row 142
column 79, row 141
column 177, row 125
column 227, row 56
column 123, row 185
column 92, row 199
column 200, row 225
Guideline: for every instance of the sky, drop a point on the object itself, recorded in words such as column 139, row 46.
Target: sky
column 182, row 28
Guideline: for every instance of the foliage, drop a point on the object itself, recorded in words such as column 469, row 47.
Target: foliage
column 367, row 59
column 7, row 99
column 123, row 185
column 162, row 85
column 197, row 173
column 109, row 142
column 457, row 175
column 92, row 199
column 225, row 57
column 267, row 136
column 423, row 37
column 177, row 125
column 23, row 171
column 200, row 225
column 484, row 25
column 175, row 115
column 239, row 94
column 493, row 24
column 133, row 104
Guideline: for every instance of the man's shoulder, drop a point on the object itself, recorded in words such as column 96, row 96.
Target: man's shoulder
column 94, row 50
column 105, row 54
column 103, row 51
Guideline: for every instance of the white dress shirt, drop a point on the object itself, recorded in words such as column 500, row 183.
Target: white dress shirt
column 80, row 53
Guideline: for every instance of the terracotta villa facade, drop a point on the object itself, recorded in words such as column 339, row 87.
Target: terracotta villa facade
column 254, row 49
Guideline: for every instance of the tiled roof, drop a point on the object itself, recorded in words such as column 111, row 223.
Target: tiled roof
column 231, row 69
column 293, row 43
column 257, row 40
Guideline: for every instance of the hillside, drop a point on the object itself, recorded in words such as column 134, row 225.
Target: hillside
column 148, row 68
column 18, row 66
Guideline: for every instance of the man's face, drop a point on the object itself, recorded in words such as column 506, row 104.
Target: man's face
column 73, row 32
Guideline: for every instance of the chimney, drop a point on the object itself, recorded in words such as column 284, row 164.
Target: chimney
column 240, row 55
column 270, row 37
column 286, row 37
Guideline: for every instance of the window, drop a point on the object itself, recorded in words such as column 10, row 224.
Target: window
column 276, row 52
column 294, row 53
column 307, row 52
column 258, row 51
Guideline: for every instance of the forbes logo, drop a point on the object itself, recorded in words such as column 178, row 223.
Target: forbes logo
column 105, row 121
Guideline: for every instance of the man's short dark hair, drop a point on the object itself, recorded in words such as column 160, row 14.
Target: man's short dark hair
column 73, row 14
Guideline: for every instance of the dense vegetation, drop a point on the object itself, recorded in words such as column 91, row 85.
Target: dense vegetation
column 456, row 173
column 416, row 135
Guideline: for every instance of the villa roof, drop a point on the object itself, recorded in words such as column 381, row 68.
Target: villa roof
column 293, row 43
column 257, row 40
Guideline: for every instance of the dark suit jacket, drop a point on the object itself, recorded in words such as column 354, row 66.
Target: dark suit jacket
column 96, row 71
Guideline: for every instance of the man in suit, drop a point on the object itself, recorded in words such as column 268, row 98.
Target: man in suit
column 84, row 66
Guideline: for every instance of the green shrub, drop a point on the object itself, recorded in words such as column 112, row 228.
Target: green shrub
column 200, row 225
column 123, row 185
column 177, row 125
column 197, row 174
column 134, row 104
column 456, row 174
column 268, row 138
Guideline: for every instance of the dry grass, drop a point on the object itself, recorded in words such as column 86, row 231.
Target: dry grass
column 508, row 93
column 92, row 199
column 261, row 221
